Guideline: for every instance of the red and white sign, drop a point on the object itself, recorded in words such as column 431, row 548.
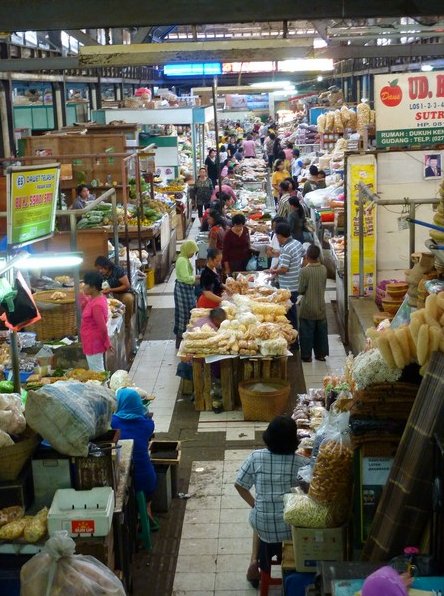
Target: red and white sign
column 83, row 526
column 409, row 109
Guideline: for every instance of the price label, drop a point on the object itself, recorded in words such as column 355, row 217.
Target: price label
column 83, row 526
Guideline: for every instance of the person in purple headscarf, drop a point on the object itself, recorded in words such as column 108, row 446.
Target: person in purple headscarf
column 386, row 581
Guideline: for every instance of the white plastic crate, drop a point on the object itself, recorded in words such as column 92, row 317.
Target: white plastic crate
column 82, row 512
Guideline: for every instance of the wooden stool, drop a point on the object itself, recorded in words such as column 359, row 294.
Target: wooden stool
column 266, row 553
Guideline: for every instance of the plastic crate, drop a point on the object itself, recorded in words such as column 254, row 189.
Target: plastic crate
column 82, row 513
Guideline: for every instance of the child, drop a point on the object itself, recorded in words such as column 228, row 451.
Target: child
column 313, row 332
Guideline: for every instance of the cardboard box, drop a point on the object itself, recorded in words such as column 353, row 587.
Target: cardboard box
column 312, row 546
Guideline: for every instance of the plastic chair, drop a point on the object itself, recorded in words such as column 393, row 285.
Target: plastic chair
column 266, row 553
column 145, row 528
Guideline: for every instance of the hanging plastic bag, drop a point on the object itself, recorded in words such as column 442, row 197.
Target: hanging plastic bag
column 252, row 264
column 24, row 310
column 57, row 570
column 7, row 293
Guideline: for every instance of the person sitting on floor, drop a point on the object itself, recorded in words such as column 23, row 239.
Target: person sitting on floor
column 273, row 471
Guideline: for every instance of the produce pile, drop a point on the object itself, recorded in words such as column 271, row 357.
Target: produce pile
column 416, row 341
column 15, row 525
column 12, row 419
column 101, row 215
column 255, row 325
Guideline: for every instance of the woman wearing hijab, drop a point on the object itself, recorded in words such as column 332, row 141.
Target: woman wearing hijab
column 184, row 294
column 273, row 471
column 131, row 419
column 386, row 581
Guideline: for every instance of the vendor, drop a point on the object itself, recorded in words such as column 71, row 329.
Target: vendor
column 116, row 284
column 131, row 419
column 278, row 176
column 214, row 319
column 93, row 327
column 184, row 288
column 82, row 198
column 210, row 281
column 237, row 249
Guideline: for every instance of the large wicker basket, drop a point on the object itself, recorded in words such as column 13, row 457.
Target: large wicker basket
column 58, row 316
column 266, row 404
column 13, row 458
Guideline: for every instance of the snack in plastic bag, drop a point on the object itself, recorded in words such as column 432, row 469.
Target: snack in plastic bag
column 300, row 510
column 332, row 473
column 57, row 570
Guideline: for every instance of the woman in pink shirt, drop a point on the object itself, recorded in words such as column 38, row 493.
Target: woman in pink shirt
column 93, row 328
column 249, row 146
column 226, row 188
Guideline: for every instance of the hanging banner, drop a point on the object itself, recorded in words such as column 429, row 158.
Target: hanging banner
column 361, row 169
column 32, row 193
column 409, row 109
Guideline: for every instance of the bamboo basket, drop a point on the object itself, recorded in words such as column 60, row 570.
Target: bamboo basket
column 14, row 457
column 58, row 316
column 263, row 405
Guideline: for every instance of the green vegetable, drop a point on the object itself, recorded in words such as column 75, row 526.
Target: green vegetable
column 6, row 387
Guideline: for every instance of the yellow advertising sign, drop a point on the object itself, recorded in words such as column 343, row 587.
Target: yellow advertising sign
column 366, row 173
column 31, row 202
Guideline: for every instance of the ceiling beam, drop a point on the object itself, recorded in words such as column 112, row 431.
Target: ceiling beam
column 322, row 29
column 433, row 50
column 38, row 15
column 140, row 35
column 37, row 64
column 87, row 40
column 200, row 51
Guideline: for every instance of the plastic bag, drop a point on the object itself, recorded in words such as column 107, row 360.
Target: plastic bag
column 301, row 511
column 57, row 570
column 332, row 473
column 24, row 311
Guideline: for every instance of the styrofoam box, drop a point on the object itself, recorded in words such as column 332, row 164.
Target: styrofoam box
column 82, row 512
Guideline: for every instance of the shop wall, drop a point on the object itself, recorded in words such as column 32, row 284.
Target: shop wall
column 401, row 175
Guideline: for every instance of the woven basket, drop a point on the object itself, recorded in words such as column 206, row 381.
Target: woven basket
column 13, row 458
column 58, row 316
column 263, row 405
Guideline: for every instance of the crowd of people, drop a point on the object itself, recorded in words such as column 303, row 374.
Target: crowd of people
column 229, row 247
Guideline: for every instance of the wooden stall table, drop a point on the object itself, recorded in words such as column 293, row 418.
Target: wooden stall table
column 233, row 370
column 149, row 235
column 125, row 515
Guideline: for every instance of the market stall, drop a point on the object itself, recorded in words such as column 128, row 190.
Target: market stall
column 252, row 343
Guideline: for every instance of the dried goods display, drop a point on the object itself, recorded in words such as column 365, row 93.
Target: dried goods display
column 416, row 341
column 302, row 511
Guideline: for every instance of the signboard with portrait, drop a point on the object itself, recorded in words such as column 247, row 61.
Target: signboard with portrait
column 32, row 193
column 409, row 109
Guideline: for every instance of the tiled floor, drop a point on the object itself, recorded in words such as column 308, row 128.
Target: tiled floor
column 215, row 543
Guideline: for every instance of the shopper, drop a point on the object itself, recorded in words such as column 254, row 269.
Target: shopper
column 210, row 282
column 184, row 289
column 283, row 208
column 82, row 198
column 212, row 169
column 278, row 176
column 296, row 219
column 223, row 154
column 296, row 164
column 226, row 188
column 288, row 150
column 268, row 148
column 116, row 283
column 313, row 329
column 132, row 421
column 236, row 251
column 277, row 150
column 232, row 147
column 273, row 472
column 93, row 326
column 217, row 227
column 249, row 147
column 239, row 155
column 289, row 267
column 274, row 250
column 386, row 581
column 312, row 182
column 203, row 189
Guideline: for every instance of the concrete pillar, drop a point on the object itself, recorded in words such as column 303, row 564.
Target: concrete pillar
column 7, row 139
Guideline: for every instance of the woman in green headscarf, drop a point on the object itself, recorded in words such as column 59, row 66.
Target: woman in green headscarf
column 184, row 294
